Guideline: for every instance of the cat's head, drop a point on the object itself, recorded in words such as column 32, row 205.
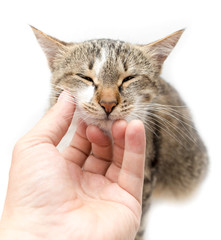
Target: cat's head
column 109, row 79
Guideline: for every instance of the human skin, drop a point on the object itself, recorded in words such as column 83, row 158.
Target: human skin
column 92, row 190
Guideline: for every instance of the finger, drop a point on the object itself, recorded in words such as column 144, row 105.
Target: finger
column 53, row 126
column 101, row 156
column 118, row 134
column 80, row 147
column 132, row 172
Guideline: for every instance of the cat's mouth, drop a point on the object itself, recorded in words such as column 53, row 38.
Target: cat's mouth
column 104, row 124
column 97, row 115
column 103, row 121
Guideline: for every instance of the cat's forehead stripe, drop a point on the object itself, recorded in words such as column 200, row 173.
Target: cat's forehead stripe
column 99, row 62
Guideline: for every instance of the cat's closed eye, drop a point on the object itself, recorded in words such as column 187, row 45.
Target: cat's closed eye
column 128, row 78
column 85, row 77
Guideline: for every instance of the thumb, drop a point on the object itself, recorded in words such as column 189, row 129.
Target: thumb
column 53, row 126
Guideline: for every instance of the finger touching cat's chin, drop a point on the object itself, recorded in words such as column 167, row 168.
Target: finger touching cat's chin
column 104, row 125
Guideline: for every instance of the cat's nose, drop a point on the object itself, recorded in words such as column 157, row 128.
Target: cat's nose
column 108, row 106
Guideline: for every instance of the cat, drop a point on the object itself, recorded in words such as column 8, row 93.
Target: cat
column 113, row 80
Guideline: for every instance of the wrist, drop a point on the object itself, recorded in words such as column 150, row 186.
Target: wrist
column 17, row 230
column 13, row 234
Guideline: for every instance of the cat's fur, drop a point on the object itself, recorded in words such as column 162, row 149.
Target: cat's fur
column 113, row 80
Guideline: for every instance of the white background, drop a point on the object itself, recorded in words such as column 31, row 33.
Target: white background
column 193, row 68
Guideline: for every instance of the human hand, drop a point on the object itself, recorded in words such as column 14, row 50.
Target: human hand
column 75, row 194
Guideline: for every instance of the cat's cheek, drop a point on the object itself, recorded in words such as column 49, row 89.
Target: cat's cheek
column 83, row 96
column 86, row 94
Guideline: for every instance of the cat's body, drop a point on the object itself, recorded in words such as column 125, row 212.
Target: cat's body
column 113, row 80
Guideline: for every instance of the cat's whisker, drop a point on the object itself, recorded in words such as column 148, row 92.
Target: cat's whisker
column 62, row 87
column 182, row 133
column 137, row 114
column 183, row 123
column 55, row 94
column 168, row 105
column 145, row 122
column 174, row 115
column 169, row 109
column 146, row 110
column 173, row 111
column 83, row 118
column 156, row 123
column 165, row 128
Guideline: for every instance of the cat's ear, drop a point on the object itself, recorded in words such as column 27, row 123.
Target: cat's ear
column 50, row 45
column 159, row 50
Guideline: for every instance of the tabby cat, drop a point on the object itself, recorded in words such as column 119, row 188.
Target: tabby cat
column 113, row 80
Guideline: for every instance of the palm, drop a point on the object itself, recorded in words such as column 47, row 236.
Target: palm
column 78, row 187
column 97, row 203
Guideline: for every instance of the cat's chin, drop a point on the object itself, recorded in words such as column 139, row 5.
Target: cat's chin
column 105, row 125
